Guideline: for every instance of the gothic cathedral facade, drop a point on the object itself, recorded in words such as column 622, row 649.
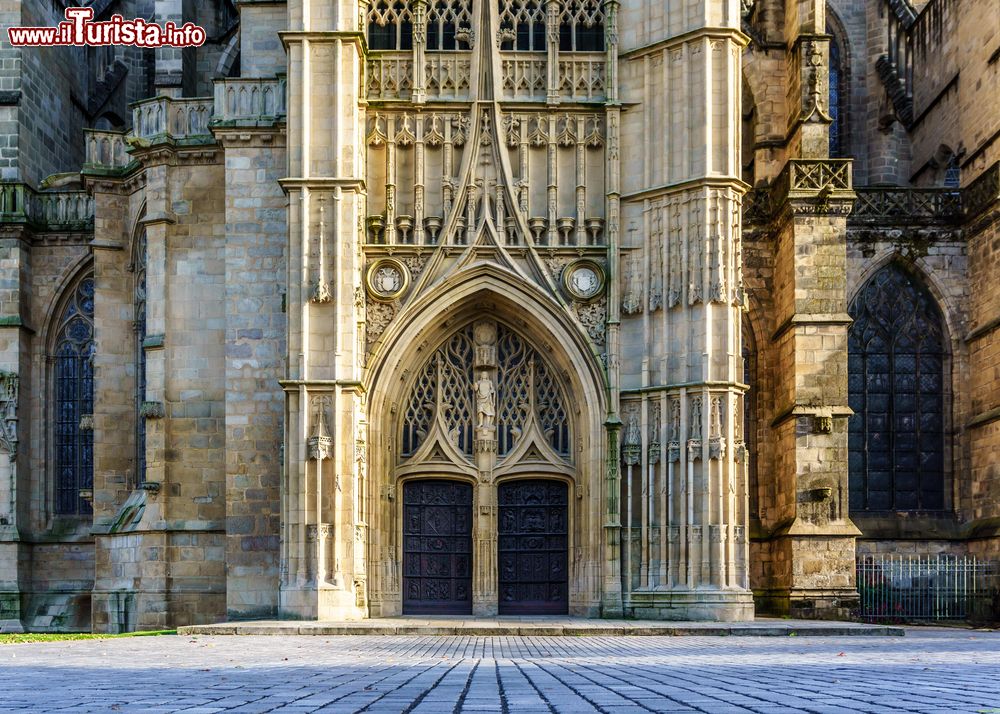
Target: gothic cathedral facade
column 605, row 308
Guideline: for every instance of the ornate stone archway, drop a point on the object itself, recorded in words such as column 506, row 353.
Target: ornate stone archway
column 485, row 394
column 486, row 405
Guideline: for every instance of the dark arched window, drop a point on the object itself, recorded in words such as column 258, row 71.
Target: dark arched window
column 449, row 25
column 838, row 100
column 581, row 26
column 953, row 173
column 390, row 25
column 139, row 324
column 896, row 374
column 73, row 381
column 522, row 25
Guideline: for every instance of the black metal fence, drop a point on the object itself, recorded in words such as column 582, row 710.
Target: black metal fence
column 897, row 588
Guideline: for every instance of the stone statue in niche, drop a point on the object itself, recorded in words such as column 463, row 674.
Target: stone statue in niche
column 485, row 402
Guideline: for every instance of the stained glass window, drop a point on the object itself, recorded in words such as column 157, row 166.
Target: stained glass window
column 139, row 312
column 73, row 374
column 838, row 141
column 896, row 374
column 953, row 173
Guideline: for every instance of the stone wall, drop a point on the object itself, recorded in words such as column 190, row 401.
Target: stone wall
column 50, row 122
column 256, row 264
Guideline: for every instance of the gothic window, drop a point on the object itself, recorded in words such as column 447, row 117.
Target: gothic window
column 953, row 173
column 139, row 324
column 73, row 382
column 839, row 93
column 449, row 25
column 581, row 26
column 526, row 393
column 896, row 371
column 390, row 25
column 522, row 25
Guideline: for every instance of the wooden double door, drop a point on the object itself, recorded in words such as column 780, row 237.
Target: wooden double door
column 532, row 543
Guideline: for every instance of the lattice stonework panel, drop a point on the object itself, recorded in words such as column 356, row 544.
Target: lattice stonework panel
column 448, row 388
column 896, row 369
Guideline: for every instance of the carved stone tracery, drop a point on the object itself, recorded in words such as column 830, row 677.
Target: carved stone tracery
column 485, row 385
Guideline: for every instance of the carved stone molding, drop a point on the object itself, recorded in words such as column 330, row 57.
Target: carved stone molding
column 152, row 410
column 9, row 387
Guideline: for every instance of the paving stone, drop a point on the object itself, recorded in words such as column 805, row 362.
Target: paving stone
column 928, row 670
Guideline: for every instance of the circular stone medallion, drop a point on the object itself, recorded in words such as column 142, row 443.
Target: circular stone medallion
column 584, row 279
column 387, row 279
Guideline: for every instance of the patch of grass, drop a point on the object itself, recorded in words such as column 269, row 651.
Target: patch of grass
column 16, row 639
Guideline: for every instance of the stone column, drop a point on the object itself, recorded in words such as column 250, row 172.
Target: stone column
column 811, row 538
column 484, row 584
column 680, row 342
column 14, row 361
column 323, row 572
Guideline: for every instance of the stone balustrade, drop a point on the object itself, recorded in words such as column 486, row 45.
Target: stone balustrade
column 249, row 100
column 178, row 119
column 105, row 149
column 873, row 205
column 886, row 206
column 45, row 210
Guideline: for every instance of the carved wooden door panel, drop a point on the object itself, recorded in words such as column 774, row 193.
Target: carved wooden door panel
column 437, row 547
column 532, row 542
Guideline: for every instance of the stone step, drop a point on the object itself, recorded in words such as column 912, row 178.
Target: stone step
column 546, row 627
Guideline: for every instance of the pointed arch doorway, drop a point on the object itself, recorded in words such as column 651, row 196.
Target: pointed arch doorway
column 487, row 470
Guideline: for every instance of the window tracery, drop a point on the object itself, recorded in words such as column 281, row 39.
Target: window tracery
column 522, row 25
column 449, row 25
column 390, row 25
column 73, row 403
column 896, row 369
column 581, row 26
column 526, row 394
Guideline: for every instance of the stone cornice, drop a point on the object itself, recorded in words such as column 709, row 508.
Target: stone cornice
column 710, row 385
column 721, row 33
column 690, row 184
column 803, row 320
column 322, row 183
column 174, row 154
column 252, row 136
column 812, row 410
column 354, row 37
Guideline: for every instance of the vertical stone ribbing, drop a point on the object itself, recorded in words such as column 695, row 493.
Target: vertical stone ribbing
column 325, row 533
column 681, row 376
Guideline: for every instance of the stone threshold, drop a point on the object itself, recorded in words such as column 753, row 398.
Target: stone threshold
column 545, row 627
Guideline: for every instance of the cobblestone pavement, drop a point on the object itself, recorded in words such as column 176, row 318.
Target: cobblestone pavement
column 926, row 671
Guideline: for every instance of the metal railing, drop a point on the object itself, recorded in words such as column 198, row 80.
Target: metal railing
column 895, row 588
